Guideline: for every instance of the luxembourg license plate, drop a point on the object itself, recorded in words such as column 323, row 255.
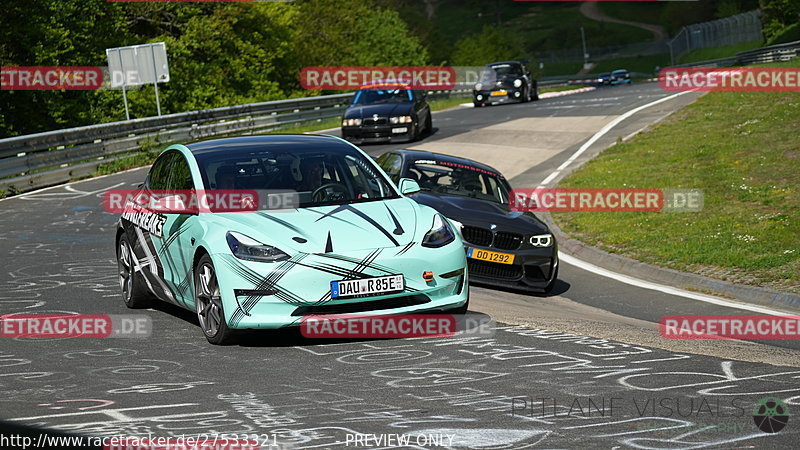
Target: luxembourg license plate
column 367, row 286
column 486, row 255
column 400, row 130
column 499, row 93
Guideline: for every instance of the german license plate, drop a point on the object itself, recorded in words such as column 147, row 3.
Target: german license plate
column 486, row 255
column 400, row 130
column 367, row 286
column 499, row 93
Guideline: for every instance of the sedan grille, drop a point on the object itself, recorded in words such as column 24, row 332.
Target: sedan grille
column 507, row 241
column 477, row 235
column 373, row 121
column 510, row 272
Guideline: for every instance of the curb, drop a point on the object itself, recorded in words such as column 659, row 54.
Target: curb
column 675, row 278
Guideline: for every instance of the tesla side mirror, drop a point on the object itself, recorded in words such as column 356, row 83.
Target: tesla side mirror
column 408, row 186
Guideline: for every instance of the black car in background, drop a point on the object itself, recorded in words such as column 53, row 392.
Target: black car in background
column 504, row 247
column 508, row 81
column 604, row 79
column 388, row 112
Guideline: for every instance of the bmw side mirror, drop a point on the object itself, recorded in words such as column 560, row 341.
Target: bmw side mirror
column 408, row 186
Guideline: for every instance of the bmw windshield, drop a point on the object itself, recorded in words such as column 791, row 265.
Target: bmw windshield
column 319, row 176
column 458, row 179
column 373, row 96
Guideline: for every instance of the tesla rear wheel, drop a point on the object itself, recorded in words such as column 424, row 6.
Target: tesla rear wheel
column 133, row 294
column 208, row 303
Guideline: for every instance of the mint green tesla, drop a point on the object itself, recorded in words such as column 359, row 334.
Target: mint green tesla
column 328, row 233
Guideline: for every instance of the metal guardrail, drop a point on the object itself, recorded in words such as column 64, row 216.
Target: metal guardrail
column 46, row 159
column 763, row 55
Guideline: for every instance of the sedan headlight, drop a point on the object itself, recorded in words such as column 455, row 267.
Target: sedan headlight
column 479, row 87
column 440, row 233
column 458, row 225
column 400, row 119
column 250, row 249
column 351, row 122
column 517, row 83
column 541, row 240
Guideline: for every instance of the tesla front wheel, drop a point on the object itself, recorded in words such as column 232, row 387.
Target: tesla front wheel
column 208, row 303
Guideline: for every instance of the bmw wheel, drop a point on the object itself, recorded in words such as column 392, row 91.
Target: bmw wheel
column 208, row 303
column 133, row 294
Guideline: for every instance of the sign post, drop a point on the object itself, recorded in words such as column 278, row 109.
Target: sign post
column 138, row 65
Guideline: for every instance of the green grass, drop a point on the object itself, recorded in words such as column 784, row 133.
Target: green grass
column 741, row 149
column 704, row 54
column 633, row 11
column 561, row 68
column 644, row 64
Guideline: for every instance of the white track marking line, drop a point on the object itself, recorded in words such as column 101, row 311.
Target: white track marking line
column 600, row 134
column 666, row 289
column 719, row 301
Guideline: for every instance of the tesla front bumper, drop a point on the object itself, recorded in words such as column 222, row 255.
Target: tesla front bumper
column 273, row 295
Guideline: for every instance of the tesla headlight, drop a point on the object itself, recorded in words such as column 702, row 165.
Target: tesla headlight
column 250, row 249
column 517, row 83
column 400, row 119
column 479, row 87
column 456, row 224
column 541, row 240
column 351, row 122
column 440, row 233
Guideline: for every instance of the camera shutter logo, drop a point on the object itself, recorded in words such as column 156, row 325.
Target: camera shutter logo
column 771, row 415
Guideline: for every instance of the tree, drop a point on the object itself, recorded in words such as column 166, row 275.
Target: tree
column 491, row 44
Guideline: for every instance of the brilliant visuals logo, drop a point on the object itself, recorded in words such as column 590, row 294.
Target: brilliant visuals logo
column 771, row 415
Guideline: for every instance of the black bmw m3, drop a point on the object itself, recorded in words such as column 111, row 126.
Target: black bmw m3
column 387, row 113
column 504, row 247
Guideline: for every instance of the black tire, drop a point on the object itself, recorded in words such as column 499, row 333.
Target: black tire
column 526, row 97
column 134, row 294
column 461, row 309
column 477, row 104
column 208, row 304
column 535, row 96
column 552, row 284
column 429, row 123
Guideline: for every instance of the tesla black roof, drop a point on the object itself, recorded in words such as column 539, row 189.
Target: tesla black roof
column 421, row 154
column 254, row 143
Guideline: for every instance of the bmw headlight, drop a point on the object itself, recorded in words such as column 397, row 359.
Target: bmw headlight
column 479, row 87
column 517, row 83
column 400, row 119
column 440, row 233
column 250, row 249
column 541, row 240
column 351, row 122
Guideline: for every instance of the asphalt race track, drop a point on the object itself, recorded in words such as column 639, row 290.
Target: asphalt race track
column 584, row 366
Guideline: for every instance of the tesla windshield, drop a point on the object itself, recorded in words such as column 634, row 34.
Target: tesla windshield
column 320, row 177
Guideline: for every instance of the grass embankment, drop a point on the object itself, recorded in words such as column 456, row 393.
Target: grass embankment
column 741, row 149
column 705, row 54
